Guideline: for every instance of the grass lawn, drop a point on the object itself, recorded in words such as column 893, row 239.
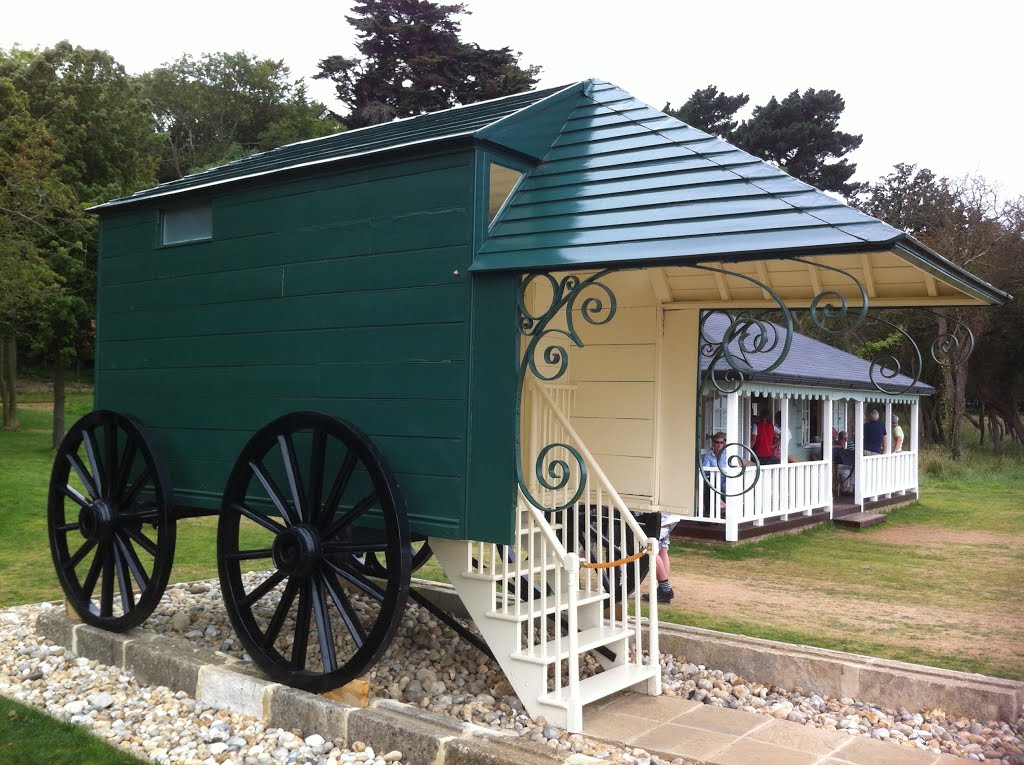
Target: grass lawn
column 940, row 583
column 31, row 737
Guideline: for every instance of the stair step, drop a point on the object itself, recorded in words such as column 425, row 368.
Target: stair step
column 603, row 684
column 860, row 520
column 595, row 637
column 544, row 607
column 499, row 576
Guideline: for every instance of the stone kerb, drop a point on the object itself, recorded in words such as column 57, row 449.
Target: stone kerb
column 818, row 670
column 422, row 737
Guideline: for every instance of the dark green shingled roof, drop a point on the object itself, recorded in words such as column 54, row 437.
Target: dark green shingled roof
column 624, row 183
column 425, row 128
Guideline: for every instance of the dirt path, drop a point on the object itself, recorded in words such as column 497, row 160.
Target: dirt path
column 751, row 591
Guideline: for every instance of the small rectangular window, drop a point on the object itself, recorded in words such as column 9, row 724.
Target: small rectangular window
column 186, row 224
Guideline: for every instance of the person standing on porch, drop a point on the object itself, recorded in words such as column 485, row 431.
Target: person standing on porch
column 763, row 434
column 874, row 434
column 897, row 435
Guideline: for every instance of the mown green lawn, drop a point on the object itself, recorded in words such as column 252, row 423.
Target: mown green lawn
column 31, row 737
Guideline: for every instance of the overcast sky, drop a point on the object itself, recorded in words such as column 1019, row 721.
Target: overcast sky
column 932, row 83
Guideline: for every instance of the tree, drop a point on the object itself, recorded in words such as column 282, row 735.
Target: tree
column 710, row 110
column 34, row 203
column 799, row 134
column 411, row 60
column 968, row 222
column 222, row 106
column 101, row 127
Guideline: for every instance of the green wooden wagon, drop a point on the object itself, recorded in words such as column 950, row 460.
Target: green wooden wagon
column 347, row 346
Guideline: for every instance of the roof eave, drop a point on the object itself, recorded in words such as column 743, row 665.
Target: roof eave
column 930, row 261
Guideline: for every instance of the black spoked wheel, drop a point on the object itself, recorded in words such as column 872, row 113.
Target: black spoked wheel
column 110, row 518
column 372, row 565
column 308, row 498
column 606, row 543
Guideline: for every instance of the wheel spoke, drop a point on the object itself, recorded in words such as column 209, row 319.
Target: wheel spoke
column 124, row 584
column 71, row 493
column 89, row 583
column 344, row 606
column 280, row 613
column 346, row 520
column 258, row 592
column 301, row 627
column 348, row 466
column 145, row 513
column 317, row 456
column 354, row 548
column 90, row 452
column 323, row 627
column 266, row 552
column 268, row 523
column 110, row 457
column 107, row 587
column 291, row 469
column 131, row 558
column 66, row 527
column 72, row 563
column 141, row 540
column 133, row 492
column 357, row 581
column 272, row 490
column 84, row 477
column 127, row 459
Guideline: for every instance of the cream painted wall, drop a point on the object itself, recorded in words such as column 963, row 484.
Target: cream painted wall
column 615, row 376
column 678, row 411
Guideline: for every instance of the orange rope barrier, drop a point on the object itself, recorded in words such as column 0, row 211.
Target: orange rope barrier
column 630, row 559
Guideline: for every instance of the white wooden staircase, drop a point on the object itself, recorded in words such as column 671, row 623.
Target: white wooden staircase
column 562, row 591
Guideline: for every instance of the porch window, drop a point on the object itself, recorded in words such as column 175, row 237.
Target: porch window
column 810, row 417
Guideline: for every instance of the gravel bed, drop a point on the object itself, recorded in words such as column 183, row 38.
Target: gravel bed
column 427, row 665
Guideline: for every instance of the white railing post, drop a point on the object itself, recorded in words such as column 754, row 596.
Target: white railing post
column 826, row 453
column 889, row 462
column 859, row 477
column 732, row 436
column 915, row 438
column 787, row 486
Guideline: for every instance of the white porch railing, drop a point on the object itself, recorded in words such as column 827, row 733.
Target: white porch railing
column 883, row 474
column 779, row 491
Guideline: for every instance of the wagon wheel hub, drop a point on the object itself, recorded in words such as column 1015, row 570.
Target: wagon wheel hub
column 297, row 550
column 96, row 520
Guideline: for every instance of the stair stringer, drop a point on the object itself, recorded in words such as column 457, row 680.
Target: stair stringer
column 502, row 637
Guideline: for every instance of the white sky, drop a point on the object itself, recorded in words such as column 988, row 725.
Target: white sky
column 933, row 83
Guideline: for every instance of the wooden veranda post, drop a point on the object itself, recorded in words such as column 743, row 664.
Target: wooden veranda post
column 858, row 459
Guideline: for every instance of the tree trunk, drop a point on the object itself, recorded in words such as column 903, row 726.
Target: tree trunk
column 58, row 404
column 996, row 430
column 981, row 425
column 8, row 382
column 954, row 395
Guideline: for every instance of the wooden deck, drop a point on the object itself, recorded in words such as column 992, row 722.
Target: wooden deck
column 700, row 531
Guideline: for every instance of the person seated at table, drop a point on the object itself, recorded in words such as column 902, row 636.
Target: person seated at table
column 716, row 458
column 843, row 472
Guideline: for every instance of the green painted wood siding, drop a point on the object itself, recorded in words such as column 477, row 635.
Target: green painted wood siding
column 345, row 294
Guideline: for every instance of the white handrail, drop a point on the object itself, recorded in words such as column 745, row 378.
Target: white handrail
column 593, row 468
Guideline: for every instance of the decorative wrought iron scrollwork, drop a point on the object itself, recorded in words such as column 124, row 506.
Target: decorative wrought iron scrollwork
column 736, row 466
column 886, row 366
column 550, row 344
column 829, row 317
column 951, row 345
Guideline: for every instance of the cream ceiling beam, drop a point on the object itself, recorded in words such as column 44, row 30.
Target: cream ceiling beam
column 815, row 275
column 762, row 274
column 660, row 285
column 723, row 286
column 869, row 276
column 799, row 303
column 930, row 285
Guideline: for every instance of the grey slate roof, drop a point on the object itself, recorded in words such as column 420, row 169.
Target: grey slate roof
column 810, row 363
